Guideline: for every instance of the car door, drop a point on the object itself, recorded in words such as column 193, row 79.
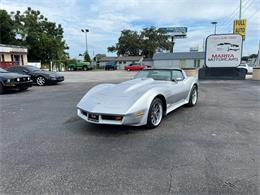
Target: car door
column 178, row 87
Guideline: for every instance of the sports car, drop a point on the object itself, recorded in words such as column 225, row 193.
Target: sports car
column 13, row 81
column 143, row 100
column 38, row 76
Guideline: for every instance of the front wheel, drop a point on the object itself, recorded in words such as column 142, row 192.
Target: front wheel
column 193, row 96
column 155, row 114
column 40, row 81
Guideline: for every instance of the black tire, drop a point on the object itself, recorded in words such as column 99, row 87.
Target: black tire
column 150, row 124
column 1, row 89
column 85, row 68
column 193, row 102
column 41, row 81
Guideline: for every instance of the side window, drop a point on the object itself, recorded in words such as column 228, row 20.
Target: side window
column 12, row 69
column 19, row 70
column 177, row 75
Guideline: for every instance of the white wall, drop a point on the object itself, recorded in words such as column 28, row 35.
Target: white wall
column 176, row 63
column 166, row 63
column 148, row 63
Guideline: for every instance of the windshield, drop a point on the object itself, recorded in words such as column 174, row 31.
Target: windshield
column 164, row 75
column 3, row 70
column 33, row 68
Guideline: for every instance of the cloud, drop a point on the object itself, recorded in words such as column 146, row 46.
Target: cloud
column 107, row 18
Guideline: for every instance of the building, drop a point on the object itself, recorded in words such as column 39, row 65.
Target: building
column 148, row 62
column 12, row 55
column 121, row 61
column 179, row 60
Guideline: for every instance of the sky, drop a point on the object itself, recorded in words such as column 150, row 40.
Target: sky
column 105, row 20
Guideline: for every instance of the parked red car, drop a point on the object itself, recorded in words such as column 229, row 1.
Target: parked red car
column 135, row 66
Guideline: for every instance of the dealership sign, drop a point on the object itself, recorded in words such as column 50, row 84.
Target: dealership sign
column 240, row 28
column 223, row 50
column 176, row 32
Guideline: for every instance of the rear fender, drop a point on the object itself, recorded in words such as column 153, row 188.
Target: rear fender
column 193, row 82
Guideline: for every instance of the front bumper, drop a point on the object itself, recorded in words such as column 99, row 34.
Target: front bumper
column 56, row 79
column 128, row 119
column 17, row 85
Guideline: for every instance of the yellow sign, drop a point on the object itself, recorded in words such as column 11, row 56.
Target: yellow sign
column 240, row 27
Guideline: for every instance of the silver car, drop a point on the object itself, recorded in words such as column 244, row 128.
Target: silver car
column 144, row 100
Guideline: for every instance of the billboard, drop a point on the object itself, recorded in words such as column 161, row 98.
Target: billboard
column 176, row 32
column 240, row 27
column 223, row 50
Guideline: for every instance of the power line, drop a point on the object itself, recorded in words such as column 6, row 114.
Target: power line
column 229, row 18
column 248, row 6
column 252, row 15
column 226, row 25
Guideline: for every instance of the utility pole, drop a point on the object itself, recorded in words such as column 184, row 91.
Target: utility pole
column 86, row 35
column 203, row 45
column 240, row 10
column 215, row 26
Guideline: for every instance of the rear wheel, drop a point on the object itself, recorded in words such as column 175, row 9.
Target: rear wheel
column 193, row 96
column 155, row 114
column 40, row 81
column 85, row 68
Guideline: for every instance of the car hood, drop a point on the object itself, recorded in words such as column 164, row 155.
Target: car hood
column 11, row 75
column 118, row 98
column 45, row 72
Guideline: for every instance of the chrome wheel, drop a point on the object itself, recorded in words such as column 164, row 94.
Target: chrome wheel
column 194, row 96
column 156, row 113
column 40, row 81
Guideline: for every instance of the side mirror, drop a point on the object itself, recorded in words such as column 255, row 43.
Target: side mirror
column 177, row 79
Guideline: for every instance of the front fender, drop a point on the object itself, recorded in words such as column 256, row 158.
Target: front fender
column 143, row 104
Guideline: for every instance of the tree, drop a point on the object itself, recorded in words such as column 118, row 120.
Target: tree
column 144, row 43
column 252, row 56
column 7, row 33
column 86, row 57
column 44, row 39
column 129, row 44
column 99, row 56
column 153, row 39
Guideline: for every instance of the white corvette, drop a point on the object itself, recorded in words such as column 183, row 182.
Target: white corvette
column 144, row 100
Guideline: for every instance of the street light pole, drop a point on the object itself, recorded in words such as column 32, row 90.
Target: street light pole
column 86, row 35
column 215, row 27
column 240, row 10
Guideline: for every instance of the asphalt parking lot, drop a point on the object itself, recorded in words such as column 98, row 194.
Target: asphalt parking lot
column 212, row 148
